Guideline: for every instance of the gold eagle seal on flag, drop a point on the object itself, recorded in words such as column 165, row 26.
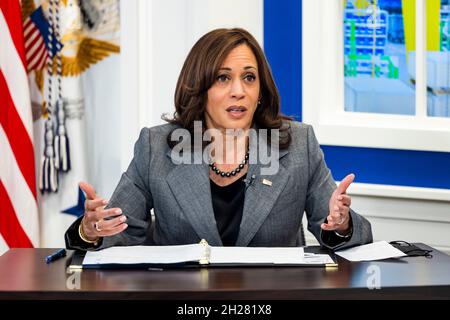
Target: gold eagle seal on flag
column 89, row 34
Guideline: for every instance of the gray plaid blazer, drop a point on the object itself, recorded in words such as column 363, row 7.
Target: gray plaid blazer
column 181, row 198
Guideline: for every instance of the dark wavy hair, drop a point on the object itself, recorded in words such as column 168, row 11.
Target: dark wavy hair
column 200, row 71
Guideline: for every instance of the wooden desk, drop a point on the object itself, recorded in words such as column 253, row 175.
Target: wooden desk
column 25, row 275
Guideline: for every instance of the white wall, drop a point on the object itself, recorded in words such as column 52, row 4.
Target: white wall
column 176, row 25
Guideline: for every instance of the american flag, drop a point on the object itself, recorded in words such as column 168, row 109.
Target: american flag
column 36, row 29
column 19, row 223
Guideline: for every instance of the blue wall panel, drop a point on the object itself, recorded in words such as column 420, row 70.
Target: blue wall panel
column 388, row 166
column 282, row 45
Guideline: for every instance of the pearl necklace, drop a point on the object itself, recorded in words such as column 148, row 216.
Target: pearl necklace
column 229, row 173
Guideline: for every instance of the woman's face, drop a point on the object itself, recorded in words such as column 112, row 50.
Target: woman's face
column 233, row 98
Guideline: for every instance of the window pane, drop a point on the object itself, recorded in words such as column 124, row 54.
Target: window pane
column 378, row 35
column 438, row 58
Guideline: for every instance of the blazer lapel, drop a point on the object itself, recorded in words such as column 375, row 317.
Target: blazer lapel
column 260, row 198
column 190, row 186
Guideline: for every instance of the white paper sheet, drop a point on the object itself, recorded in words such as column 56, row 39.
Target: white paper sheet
column 292, row 255
column 311, row 258
column 145, row 254
column 372, row 251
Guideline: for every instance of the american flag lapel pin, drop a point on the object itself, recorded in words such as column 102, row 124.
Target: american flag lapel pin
column 267, row 182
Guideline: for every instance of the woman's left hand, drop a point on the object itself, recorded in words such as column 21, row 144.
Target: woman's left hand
column 338, row 218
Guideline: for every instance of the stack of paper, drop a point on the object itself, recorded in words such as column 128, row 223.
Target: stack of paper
column 204, row 254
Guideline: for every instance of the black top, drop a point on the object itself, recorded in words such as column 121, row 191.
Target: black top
column 228, row 205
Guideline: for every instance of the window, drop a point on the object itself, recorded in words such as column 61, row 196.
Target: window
column 377, row 91
column 376, row 66
column 438, row 59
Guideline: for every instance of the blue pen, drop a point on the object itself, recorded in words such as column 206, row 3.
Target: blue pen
column 56, row 255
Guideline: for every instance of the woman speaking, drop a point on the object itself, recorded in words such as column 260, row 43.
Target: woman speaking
column 228, row 167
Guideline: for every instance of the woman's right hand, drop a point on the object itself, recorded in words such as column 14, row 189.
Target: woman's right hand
column 93, row 223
